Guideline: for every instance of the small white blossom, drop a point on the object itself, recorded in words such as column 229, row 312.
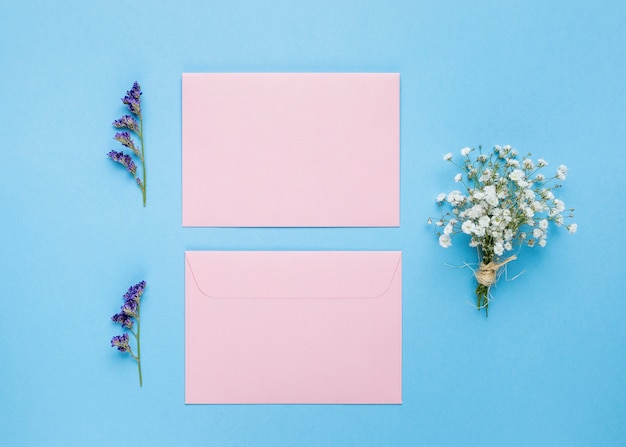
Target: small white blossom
column 465, row 151
column 458, row 177
column 512, row 162
column 445, row 241
column 476, row 211
column 542, row 243
column 537, row 233
column 479, row 231
column 468, row 227
column 490, row 195
column 441, row 197
column 448, row 156
column 517, row 175
column 547, row 194
column 543, row 224
column 559, row 205
column 529, row 212
column 484, row 221
column 456, row 198
column 542, row 163
column 498, row 249
column 572, row 228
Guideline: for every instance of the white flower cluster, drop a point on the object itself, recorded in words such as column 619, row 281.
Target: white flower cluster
column 504, row 202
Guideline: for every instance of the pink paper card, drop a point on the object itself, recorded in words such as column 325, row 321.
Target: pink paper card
column 291, row 149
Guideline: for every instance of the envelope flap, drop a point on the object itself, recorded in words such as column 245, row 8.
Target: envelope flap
column 300, row 274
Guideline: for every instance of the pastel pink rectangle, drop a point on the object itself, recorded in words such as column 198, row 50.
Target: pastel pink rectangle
column 291, row 149
column 293, row 327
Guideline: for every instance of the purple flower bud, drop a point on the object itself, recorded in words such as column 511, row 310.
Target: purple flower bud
column 133, row 99
column 133, row 105
column 120, row 342
column 134, row 292
column 123, row 319
column 123, row 159
column 130, row 308
column 127, row 122
column 135, row 91
column 126, row 140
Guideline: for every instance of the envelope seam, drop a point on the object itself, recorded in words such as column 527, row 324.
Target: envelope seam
column 195, row 280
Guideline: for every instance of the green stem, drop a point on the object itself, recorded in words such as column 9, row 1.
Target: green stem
column 482, row 298
column 138, row 358
column 482, row 291
column 143, row 167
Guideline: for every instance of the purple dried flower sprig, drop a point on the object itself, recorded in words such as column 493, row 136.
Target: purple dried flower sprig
column 121, row 342
column 127, row 122
column 124, row 160
column 133, row 99
column 127, row 317
column 134, row 124
column 126, row 140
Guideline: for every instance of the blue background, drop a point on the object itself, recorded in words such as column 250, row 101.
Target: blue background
column 545, row 369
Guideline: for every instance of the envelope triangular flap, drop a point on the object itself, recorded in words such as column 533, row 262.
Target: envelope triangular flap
column 293, row 274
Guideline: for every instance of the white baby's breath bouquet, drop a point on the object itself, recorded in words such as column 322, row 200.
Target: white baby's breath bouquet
column 502, row 203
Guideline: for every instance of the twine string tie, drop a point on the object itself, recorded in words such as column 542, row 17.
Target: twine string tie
column 487, row 273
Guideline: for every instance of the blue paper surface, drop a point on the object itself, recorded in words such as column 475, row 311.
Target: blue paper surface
column 545, row 369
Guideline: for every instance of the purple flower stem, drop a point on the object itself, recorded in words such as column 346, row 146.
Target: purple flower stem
column 138, row 358
column 143, row 187
column 138, row 340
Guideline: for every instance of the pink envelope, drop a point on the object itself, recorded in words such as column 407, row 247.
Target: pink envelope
column 291, row 149
column 299, row 327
